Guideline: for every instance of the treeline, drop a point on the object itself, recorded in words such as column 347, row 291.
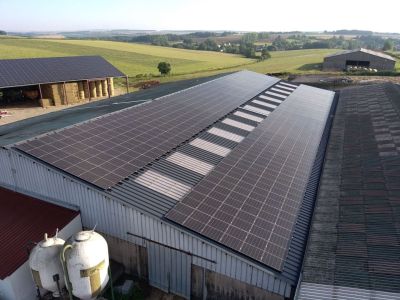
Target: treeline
column 296, row 42
column 2, row 32
column 245, row 46
column 350, row 32
column 168, row 39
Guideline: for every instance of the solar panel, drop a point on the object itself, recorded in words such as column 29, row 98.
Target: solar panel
column 29, row 71
column 106, row 150
column 249, row 202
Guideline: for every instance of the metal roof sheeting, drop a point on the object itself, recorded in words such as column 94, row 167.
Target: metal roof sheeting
column 24, row 219
column 248, row 116
column 371, row 52
column 312, row 291
column 31, row 71
column 354, row 238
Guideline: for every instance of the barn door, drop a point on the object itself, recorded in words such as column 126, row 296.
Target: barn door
column 169, row 270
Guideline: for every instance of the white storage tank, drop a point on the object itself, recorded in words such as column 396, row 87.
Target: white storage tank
column 86, row 256
column 44, row 262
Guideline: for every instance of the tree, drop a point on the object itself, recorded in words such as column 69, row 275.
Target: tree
column 388, row 45
column 247, row 49
column 249, row 38
column 3, row 32
column 164, row 68
column 265, row 54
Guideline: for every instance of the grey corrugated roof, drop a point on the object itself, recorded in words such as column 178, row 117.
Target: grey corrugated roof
column 376, row 53
column 355, row 237
column 30, row 71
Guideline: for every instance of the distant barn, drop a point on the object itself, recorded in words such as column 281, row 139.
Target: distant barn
column 56, row 80
column 363, row 58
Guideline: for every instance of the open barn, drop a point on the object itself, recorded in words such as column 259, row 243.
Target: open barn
column 359, row 58
column 56, row 81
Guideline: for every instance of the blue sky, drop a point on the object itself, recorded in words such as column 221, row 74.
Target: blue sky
column 255, row 15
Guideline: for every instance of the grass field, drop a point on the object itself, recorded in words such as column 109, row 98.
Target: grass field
column 131, row 58
column 134, row 59
column 396, row 54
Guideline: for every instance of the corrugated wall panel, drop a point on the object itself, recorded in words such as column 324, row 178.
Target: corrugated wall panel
column 114, row 218
column 6, row 177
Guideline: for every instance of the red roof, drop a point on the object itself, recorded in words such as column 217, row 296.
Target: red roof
column 24, row 219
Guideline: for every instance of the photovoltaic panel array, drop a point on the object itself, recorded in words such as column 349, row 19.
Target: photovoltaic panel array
column 156, row 188
column 251, row 199
column 108, row 149
column 29, row 71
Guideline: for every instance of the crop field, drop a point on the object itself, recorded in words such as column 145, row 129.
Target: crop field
column 130, row 58
column 134, row 59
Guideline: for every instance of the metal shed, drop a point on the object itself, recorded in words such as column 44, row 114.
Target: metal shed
column 56, row 80
column 23, row 221
column 363, row 58
column 137, row 171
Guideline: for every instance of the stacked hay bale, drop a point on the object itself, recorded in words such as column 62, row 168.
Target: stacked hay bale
column 72, row 92
column 81, row 90
column 99, row 90
column 92, row 89
column 104, row 87
column 111, row 80
column 55, row 92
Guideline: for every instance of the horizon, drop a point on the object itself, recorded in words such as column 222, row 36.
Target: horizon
column 192, row 30
column 179, row 15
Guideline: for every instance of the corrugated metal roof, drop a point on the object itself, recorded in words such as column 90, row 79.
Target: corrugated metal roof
column 155, row 203
column 30, row 71
column 247, row 187
column 371, row 52
column 312, row 291
column 24, row 219
column 355, row 238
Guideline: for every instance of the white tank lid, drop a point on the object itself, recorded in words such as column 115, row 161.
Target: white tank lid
column 48, row 242
column 82, row 236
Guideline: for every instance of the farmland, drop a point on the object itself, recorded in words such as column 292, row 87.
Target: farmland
column 131, row 58
column 136, row 59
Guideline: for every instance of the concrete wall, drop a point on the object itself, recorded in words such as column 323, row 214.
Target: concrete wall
column 19, row 285
column 133, row 257
column 338, row 62
column 211, row 285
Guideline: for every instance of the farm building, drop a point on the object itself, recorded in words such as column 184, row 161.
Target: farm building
column 363, row 58
column 354, row 245
column 23, row 221
column 207, row 192
column 56, row 80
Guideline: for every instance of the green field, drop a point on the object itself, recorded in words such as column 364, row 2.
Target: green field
column 134, row 59
column 396, row 55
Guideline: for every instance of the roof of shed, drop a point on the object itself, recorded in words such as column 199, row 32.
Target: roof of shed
column 105, row 150
column 249, row 111
column 371, row 52
column 24, row 219
column 32, row 71
column 354, row 244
